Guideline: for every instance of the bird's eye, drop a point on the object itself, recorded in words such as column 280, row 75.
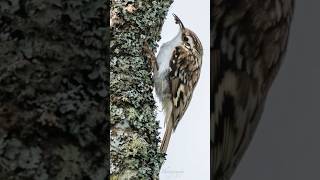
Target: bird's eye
column 186, row 38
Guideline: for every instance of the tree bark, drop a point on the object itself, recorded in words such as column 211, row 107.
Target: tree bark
column 52, row 93
column 134, row 133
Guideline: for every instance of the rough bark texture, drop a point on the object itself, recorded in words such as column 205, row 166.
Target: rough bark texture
column 52, row 94
column 134, row 130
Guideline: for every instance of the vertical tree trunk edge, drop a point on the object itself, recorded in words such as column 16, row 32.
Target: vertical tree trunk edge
column 134, row 136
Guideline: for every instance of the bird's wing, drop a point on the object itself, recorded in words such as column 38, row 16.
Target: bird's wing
column 184, row 75
column 249, row 41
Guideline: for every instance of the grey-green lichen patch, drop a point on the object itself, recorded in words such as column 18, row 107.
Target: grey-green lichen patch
column 136, row 154
column 134, row 132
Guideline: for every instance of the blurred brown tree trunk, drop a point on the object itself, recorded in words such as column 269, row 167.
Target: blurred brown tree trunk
column 52, row 93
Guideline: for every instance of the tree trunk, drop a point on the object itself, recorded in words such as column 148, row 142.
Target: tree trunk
column 134, row 133
column 52, row 94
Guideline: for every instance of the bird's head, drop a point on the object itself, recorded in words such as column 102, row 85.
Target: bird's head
column 189, row 38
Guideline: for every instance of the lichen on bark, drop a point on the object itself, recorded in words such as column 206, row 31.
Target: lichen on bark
column 134, row 152
column 52, row 94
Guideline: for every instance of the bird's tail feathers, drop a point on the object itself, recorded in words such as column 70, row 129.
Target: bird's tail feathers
column 166, row 138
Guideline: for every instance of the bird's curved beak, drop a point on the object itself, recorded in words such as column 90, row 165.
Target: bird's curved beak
column 178, row 21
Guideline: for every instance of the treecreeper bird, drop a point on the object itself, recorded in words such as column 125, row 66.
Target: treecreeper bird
column 176, row 71
column 248, row 44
